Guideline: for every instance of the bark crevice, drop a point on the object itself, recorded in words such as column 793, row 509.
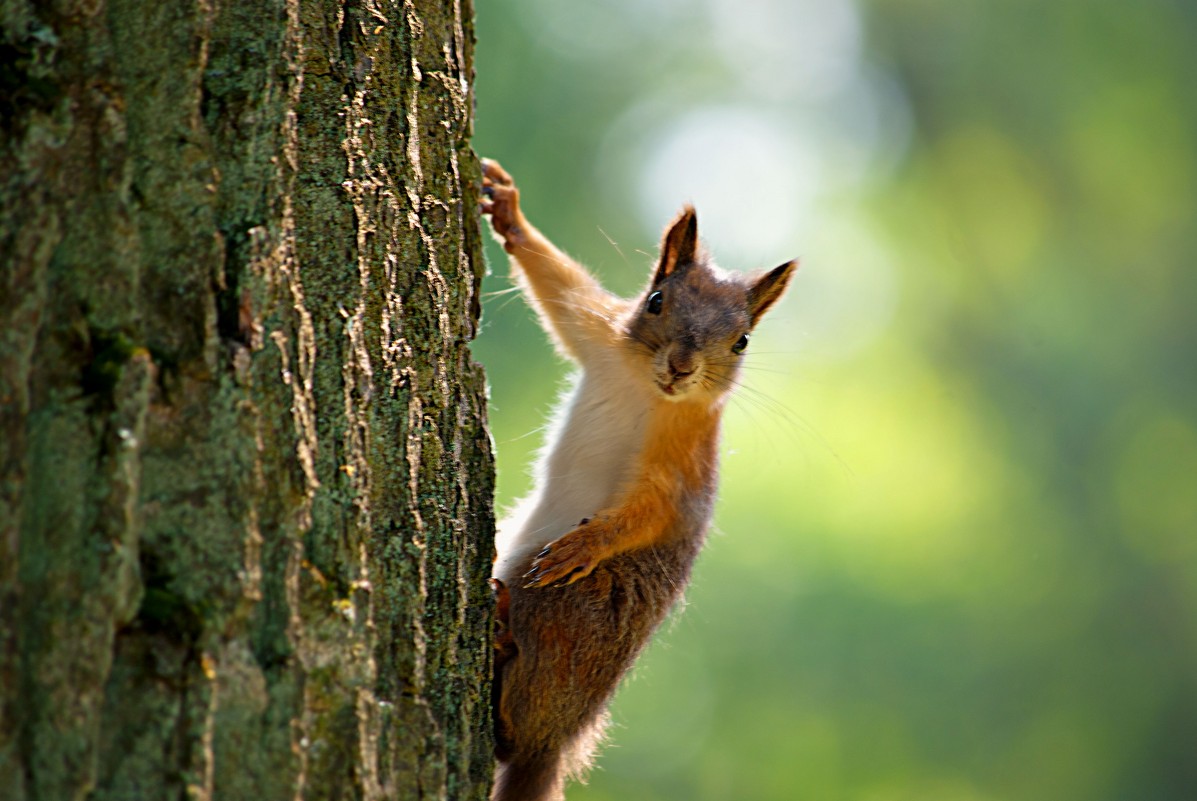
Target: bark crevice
column 245, row 501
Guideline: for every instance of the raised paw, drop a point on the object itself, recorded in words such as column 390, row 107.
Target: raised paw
column 569, row 558
column 501, row 200
column 493, row 172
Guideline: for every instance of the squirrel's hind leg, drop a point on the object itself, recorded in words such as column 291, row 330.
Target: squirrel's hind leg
column 504, row 642
column 536, row 776
column 504, row 651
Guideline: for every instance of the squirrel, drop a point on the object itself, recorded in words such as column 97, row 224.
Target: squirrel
column 592, row 561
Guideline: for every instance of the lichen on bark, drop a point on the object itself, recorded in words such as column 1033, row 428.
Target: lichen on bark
column 246, row 495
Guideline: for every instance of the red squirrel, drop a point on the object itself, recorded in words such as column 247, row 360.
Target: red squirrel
column 592, row 561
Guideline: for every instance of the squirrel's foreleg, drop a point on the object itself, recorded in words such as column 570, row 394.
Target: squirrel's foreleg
column 637, row 522
column 577, row 312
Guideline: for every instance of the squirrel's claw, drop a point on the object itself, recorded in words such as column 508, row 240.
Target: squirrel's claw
column 491, row 171
column 501, row 201
column 564, row 561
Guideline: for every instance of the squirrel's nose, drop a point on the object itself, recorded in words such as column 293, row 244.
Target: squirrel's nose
column 680, row 368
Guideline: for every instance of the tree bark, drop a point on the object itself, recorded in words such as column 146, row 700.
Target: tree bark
column 245, row 479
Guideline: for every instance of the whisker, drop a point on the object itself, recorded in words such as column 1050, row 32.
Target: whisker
column 760, row 368
column 525, row 435
column 794, row 421
column 496, row 292
column 613, row 243
column 509, row 299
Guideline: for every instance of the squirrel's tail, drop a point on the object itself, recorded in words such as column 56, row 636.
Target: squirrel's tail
column 538, row 776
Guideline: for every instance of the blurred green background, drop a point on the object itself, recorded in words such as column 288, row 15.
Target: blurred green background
column 955, row 553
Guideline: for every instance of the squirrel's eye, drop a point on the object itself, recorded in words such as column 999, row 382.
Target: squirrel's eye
column 655, row 301
column 741, row 344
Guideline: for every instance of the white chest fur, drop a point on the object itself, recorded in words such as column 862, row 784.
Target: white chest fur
column 590, row 451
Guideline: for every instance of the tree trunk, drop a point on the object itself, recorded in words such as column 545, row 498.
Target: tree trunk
column 246, row 494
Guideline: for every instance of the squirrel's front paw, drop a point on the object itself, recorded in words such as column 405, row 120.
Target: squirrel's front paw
column 571, row 557
column 502, row 203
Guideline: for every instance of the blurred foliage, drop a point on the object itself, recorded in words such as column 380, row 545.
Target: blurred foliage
column 955, row 554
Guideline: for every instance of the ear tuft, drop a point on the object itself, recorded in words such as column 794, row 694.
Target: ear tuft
column 679, row 246
column 765, row 291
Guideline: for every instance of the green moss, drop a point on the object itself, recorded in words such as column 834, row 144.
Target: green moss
column 266, row 545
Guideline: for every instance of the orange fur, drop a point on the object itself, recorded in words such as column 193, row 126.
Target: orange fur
column 592, row 561
column 576, row 309
column 678, row 461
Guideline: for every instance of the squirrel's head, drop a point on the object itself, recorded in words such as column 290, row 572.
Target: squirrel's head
column 692, row 324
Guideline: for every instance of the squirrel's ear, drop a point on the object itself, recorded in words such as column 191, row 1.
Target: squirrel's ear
column 679, row 245
column 768, row 288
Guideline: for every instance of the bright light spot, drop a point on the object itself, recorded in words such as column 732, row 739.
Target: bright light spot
column 753, row 183
column 787, row 48
column 865, row 130
column 592, row 31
